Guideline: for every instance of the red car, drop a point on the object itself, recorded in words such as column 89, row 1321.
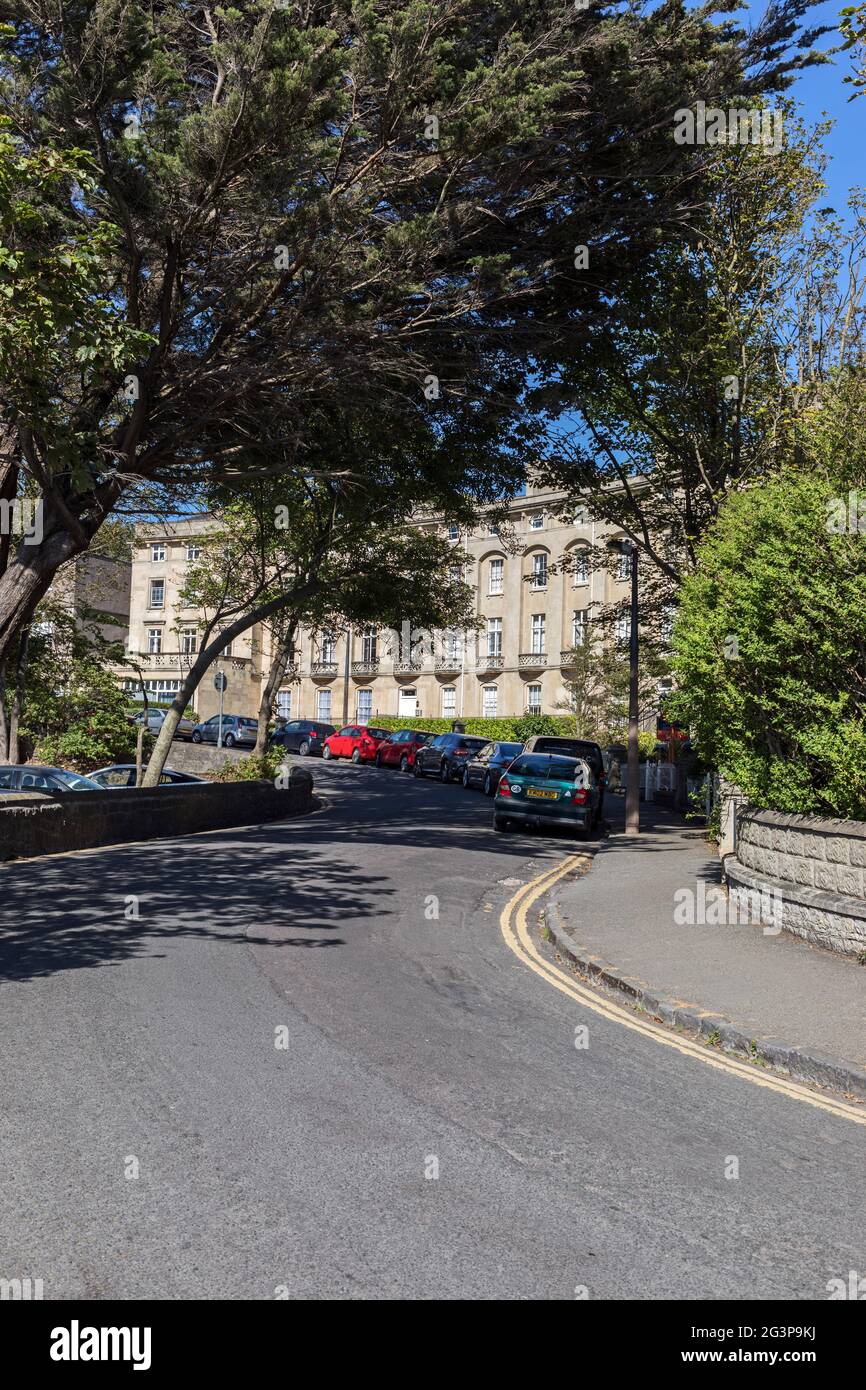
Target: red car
column 356, row 741
column 401, row 748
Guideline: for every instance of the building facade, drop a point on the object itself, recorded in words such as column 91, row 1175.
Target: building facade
column 535, row 592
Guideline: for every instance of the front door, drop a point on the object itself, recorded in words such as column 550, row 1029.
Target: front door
column 407, row 703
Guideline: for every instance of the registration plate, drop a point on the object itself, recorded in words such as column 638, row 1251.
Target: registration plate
column 536, row 791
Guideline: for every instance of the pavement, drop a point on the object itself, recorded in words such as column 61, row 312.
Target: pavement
column 798, row 1006
column 311, row 1066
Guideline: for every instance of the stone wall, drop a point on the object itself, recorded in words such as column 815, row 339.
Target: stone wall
column 815, row 867
column 31, row 826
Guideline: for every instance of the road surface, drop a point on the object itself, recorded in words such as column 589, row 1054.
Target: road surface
column 311, row 1067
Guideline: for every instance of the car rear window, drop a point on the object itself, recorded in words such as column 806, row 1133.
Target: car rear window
column 473, row 744
column 529, row 766
column 378, row 733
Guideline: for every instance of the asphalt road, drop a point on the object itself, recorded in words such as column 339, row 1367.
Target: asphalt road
column 291, row 1078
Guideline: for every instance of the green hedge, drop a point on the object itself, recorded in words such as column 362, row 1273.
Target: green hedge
column 515, row 729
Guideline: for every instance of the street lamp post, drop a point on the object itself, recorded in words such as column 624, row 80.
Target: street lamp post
column 632, row 791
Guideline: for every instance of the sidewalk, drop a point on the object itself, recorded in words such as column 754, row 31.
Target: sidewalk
column 775, row 991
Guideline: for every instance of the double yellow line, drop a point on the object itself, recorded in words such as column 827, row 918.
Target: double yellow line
column 514, row 926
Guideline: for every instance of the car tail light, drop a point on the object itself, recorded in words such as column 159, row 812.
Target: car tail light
column 580, row 796
column 504, row 789
column 312, row 733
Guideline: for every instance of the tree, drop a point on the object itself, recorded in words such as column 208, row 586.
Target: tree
column 695, row 392
column 325, row 201
column 315, row 549
column 853, row 28
column 596, row 684
column 769, row 649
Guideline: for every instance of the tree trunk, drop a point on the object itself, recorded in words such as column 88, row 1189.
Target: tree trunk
column 18, row 695
column 4, row 716
column 26, row 580
column 278, row 670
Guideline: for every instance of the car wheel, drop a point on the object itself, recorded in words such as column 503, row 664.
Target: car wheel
column 418, row 769
column 488, row 785
column 326, row 752
column 304, row 748
column 356, row 755
column 196, row 736
column 500, row 823
column 378, row 760
column 465, row 778
column 404, row 763
column 229, row 741
column 444, row 772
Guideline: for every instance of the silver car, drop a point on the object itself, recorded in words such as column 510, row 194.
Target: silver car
column 237, row 729
column 155, row 718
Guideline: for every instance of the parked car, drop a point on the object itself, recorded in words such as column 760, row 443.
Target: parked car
column 445, row 755
column 356, row 741
column 154, row 720
column 304, row 736
column 401, row 749
column 574, row 748
column 47, row 781
column 544, row 787
column 486, row 767
column 236, row 729
column 123, row 775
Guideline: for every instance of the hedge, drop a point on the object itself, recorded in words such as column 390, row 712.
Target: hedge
column 514, row 729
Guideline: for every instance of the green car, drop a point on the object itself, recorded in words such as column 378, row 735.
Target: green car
column 545, row 788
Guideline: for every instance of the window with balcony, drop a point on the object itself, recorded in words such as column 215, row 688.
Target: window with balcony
column 533, row 699
column 489, row 701
column 623, row 566
column 449, row 702
column 536, row 521
column 369, row 645
column 539, row 571
column 622, row 629
column 157, row 554
column 188, row 640
column 328, row 647
column 451, row 645
column 578, row 627
column 494, row 636
column 227, row 649
column 538, row 634
column 497, row 571
column 157, row 593
column 154, row 639
column 580, row 573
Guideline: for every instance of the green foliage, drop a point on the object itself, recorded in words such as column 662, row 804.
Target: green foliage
column 769, row 647
column 83, row 727
column 532, row 724
column 503, row 729
column 254, row 768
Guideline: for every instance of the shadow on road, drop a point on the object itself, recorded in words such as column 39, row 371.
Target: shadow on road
column 287, row 883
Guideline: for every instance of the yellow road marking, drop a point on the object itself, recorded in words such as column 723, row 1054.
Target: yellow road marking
column 515, row 930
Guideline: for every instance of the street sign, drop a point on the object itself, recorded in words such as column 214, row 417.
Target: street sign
column 220, row 681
